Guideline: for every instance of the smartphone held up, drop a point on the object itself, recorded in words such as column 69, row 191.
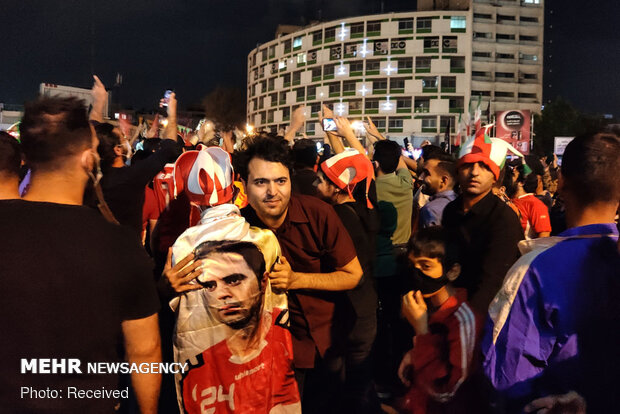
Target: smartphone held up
column 329, row 124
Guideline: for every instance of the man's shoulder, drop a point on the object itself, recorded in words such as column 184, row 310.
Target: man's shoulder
column 65, row 220
column 312, row 206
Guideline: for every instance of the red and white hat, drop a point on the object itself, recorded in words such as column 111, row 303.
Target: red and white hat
column 489, row 151
column 206, row 176
column 347, row 169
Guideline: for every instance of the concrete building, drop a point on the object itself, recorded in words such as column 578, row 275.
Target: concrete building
column 412, row 73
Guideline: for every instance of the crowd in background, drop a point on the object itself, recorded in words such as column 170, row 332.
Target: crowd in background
column 468, row 282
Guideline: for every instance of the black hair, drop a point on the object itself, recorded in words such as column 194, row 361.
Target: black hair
column 304, row 153
column 387, row 154
column 446, row 164
column 108, row 140
column 434, row 242
column 430, row 150
column 250, row 252
column 267, row 147
column 589, row 167
column 530, row 183
column 54, row 128
column 10, row 155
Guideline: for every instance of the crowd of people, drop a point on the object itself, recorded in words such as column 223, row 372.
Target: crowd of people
column 290, row 279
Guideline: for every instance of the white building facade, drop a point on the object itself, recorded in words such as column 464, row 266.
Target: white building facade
column 412, row 73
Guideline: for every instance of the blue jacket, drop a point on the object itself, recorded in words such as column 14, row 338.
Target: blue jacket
column 549, row 302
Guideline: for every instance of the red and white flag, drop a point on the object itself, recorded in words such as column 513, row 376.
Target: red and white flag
column 477, row 117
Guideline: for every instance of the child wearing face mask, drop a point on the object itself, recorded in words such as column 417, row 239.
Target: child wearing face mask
column 441, row 369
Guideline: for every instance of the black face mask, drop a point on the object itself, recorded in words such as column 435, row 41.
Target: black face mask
column 427, row 284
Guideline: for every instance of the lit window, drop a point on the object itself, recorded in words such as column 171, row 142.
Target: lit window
column 301, row 58
column 458, row 22
column 297, row 42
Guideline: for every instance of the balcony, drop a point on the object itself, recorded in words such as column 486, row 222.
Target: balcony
column 457, row 70
column 395, row 129
column 316, row 78
column 403, row 110
column 334, row 94
column 431, row 50
column 445, row 89
column 379, row 91
column 455, row 110
column 357, row 73
column 372, row 72
column 405, row 70
column 422, row 109
column 429, row 90
column 370, row 111
column 429, row 129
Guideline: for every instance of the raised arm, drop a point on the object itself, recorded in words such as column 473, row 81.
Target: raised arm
column 334, row 140
column 297, row 121
column 345, row 130
column 100, row 97
column 171, row 129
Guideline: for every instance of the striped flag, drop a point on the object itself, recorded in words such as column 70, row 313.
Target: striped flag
column 477, row 116
column 459, row 128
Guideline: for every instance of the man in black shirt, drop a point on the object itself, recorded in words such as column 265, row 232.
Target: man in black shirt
column 72, row 284
column 123, row 186
column 485, row 228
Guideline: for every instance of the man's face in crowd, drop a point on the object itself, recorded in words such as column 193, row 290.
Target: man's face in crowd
column 431, row 177
column 232, row 288
column 475, row 178
column 325, row 188
column 268, row 188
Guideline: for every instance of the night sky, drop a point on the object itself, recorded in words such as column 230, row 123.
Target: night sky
column 194, row 45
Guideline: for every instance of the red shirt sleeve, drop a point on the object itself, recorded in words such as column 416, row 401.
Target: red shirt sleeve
column 438, row 374
column 540, row 216
column 150, row 210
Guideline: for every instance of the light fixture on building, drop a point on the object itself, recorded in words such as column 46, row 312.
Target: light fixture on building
column 364, row 51
column 363, row 90
column 388, row 105
column 340, row 109
column 343, row 31
column 389, row 69
column 342, row 70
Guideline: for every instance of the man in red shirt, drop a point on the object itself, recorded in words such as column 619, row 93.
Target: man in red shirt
column 534, row 213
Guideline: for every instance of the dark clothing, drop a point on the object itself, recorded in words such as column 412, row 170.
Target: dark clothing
column 123, row 188
column 69, row 279
column 487, row 236
column 303, row 182
column 313, row 240
column 361, row 324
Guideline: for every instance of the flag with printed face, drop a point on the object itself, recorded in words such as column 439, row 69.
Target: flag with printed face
column 231, row 328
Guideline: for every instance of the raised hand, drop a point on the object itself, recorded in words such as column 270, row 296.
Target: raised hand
column 182, row 273
column 415, row 310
